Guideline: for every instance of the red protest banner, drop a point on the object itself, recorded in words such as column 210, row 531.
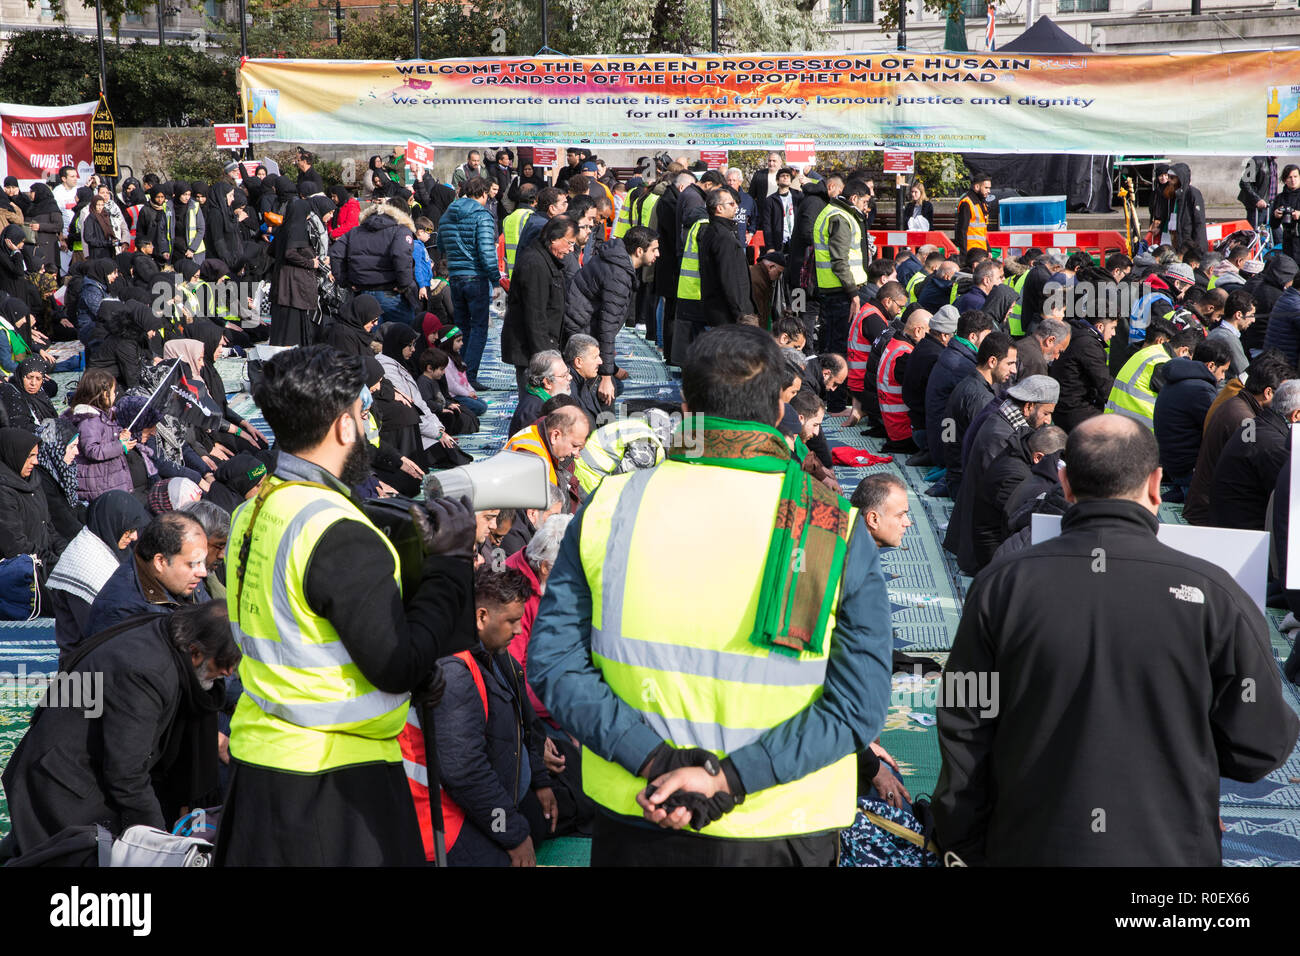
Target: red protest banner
column 899, row 161
column 714, row 158
column 799, row 151
column 231, row 135
column 38, row 140
column 418, row 154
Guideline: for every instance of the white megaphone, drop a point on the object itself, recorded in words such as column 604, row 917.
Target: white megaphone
column 509, row 479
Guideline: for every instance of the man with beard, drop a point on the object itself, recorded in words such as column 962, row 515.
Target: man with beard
column 138, row 743
column 331, row 649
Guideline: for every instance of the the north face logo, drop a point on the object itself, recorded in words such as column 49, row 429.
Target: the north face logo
column 1185, row 592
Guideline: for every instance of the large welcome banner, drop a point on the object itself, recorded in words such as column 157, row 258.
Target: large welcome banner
column 1221, row 103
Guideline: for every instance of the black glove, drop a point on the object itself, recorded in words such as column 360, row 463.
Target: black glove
column 429, row 691
column 664, row 759
column 446, row 527
column 704, row 810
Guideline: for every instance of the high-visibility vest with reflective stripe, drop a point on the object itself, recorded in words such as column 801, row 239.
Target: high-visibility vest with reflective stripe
column 411, row 740
column 647, row 208
column 604, row 450
column 688, row 280
column 192, row 229
column 977, row 232
column 898, row 425
column 826, row 278
column 306, row 707
column 1013, row 320
column 687, row 666
column 532, row 441
column 624, row 221
column 1132, row 394
column 858, row 351
column 218, row 302
column 914, row 284
column 511, row 229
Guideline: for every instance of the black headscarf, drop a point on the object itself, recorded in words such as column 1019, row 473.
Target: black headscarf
column 285, row 188
column 322, row 206
column 15, row 445
column 39, row 405
column 213, row 270
column 101, row 269
column 238, row 199
column 188, row 268
column 44, row 202
column 397, row 336
column 292, row 232
column 112, row 515
column 179, row 187
column 210, row 334
column 18, row 313
column 199, row 189
column 14, row 234
column 340, row 195
column 361, row 310
column 124, row 262
column 132, row 192
column 374, row 371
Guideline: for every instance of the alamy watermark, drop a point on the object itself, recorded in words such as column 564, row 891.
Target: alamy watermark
column 976, row 690
column 82, row 690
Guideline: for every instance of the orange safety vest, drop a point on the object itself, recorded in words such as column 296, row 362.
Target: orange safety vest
column 898, row 426
column 859, row 348
column 532, row 441
column 977, row 233
column 417, row 774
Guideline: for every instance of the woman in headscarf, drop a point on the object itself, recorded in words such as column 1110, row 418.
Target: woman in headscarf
column 527, row 174
column 294, row 299
column 351, row 332
column 380, row 186
column 98, row 239
column 128, row 346
column 97, row 276
column 349, row 213
column 17, row 333
column 398, row 457
column 190, row 225
column 236, row 433
column 399, row 345
column 13, row 266
column 11, row 213
column 286, row 191
column 25, row 398
column 46, row 218
column 221, row 223
column 24, row 515
column 113, row 522
column 56, row 467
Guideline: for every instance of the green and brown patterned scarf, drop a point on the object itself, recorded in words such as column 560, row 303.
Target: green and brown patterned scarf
column 806, row 552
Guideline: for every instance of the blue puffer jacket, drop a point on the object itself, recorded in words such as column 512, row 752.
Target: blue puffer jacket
column 956, row 362
column 92, row 294
column 467, row 236
column 1284, row 326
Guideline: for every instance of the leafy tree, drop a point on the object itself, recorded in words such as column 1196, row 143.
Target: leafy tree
column 114, row 10
column 278, row 28
column 888, row 20
column 50, row 67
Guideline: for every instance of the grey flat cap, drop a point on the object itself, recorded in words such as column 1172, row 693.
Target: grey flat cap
column 1037, row 389
column 945, row 320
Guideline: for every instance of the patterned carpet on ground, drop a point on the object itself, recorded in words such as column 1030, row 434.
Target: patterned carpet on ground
column 926, row 590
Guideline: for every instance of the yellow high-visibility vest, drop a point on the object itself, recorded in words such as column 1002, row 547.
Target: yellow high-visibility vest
column 826, row 278
column 306, row 707
column 687, row 666
column 511, row 229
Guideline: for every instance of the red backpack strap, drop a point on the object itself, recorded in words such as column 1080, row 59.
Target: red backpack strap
column 467, row 659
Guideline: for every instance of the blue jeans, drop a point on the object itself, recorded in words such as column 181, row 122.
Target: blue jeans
column 471, row 297
column 394, row 308
column 474, row 405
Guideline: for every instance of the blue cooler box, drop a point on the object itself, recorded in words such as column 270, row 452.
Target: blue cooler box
column 1032, row 213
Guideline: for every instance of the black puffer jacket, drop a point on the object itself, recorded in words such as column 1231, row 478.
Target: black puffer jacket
column 535, row 308
column 378, row 253
column 1082, row 373
column 600, row 298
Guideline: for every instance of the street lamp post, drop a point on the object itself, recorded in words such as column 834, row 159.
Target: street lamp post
column 99, row 28
column 243, row 31
column 415, row 7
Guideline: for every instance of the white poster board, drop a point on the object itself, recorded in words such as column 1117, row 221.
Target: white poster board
column 1243, row 554
column 1293, row 524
